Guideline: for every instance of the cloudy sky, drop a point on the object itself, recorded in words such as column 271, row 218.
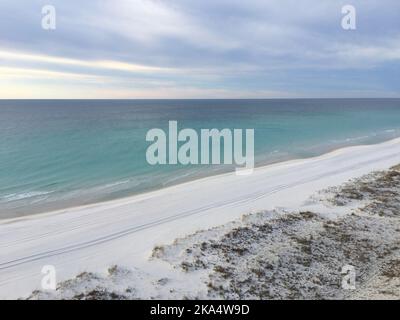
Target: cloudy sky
column 199, row 49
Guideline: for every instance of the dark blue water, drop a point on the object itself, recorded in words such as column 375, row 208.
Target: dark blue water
column 63, row 153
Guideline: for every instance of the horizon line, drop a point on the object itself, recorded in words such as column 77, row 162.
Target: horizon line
column 131, row 99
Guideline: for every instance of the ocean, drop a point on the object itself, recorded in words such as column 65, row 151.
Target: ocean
column 61, row 153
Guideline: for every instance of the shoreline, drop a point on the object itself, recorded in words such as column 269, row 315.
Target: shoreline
column 124, row 232
column 202, row 177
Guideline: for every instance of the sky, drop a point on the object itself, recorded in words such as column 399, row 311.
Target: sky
column 127, row 49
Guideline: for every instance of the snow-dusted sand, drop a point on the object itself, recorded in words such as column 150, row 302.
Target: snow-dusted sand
column 124, row 232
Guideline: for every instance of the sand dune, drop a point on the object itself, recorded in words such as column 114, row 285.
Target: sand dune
column 124, row 232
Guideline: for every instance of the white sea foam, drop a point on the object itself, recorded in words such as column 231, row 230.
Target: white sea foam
column 23, row 195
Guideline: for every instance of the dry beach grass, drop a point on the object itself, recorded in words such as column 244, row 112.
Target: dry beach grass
column 280, row 254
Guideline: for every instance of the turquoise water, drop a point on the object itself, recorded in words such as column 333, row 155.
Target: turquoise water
column 55, row 154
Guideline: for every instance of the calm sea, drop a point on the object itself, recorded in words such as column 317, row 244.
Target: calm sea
column 55, row 154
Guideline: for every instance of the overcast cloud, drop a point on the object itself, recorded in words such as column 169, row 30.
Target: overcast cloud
column 199, row 49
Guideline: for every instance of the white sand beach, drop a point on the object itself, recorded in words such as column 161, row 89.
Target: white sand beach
column 124, row 232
